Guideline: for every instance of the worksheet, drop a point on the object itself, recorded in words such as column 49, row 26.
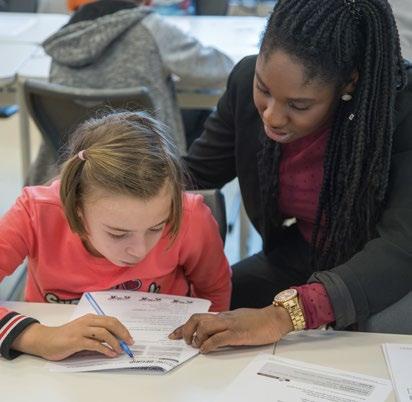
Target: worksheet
column 399, row 360
column 150, row 318
column 273, row 379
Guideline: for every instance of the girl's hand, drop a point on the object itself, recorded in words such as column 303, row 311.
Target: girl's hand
column 90, row 332
column 238, row 327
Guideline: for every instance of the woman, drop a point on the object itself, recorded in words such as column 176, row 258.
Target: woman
column 314, row 130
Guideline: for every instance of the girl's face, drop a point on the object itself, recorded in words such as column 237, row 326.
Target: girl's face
column 123, row 229
column 290, row 106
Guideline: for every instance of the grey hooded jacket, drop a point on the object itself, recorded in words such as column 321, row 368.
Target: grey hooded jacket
column 132, row 47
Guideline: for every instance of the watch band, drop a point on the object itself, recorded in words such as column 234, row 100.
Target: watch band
column 296, row 314
column 288, row 299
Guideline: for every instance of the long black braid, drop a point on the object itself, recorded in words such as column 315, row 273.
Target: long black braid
column 332, row 38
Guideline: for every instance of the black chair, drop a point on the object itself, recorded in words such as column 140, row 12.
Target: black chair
column 211, row 7
column 24, row 6
column 58, row 109
column 215, row 200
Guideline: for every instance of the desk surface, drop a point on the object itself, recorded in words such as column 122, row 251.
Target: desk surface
column 359, row 352
column 235, row 36
column 29, row 27
column 20, row 37
column 200, row 380
column 13, row 57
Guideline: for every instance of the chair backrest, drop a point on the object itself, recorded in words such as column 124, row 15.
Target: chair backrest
column 26, row 6
column 58, row 109
column 215, row 200
column 211, row 7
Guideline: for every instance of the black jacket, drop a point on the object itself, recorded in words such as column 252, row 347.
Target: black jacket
column 230, row 147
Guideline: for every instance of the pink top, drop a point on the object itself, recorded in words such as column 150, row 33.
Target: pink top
column 300, row 183
column 300, row 180
column 60, row 269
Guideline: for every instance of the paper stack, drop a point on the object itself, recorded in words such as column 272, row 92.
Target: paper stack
column 399, row 360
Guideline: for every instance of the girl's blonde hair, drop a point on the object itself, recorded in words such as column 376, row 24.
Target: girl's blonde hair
column 125, row 153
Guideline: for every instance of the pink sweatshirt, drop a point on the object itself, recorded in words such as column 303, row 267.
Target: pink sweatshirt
column 60, row 269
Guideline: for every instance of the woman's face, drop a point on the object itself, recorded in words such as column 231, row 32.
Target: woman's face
column 290, row 106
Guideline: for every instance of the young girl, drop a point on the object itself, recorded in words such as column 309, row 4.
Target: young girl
column 116, row 219
column 317, row 128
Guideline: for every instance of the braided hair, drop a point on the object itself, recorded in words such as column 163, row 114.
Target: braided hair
column 332, row 39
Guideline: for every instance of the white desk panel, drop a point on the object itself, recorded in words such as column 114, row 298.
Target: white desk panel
column 29, row 27
column 200, row 380
column 13, row 57
column 235, row 36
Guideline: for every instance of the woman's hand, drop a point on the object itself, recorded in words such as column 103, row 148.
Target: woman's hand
column 238, row 327
column 90, row 332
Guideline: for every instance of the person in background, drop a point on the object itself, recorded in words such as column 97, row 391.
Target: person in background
column 173, row 7
column 163, row 6
column 317, row 128
column 124, row 44
column 73, row 5
column 116, row 218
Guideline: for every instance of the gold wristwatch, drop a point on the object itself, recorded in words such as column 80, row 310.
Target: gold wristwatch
column 288, row 299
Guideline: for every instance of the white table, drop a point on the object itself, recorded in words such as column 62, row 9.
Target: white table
column 359, row 352
column 14, row 58
column 31, row 28
column 200, row 380
column 20, row 37
column 235, row 36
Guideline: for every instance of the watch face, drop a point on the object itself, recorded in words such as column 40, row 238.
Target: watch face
column 286, row 295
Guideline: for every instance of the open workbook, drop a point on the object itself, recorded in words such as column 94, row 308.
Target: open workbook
column 150, row 318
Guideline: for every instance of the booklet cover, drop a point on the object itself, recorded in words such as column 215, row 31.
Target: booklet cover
column 150, row 318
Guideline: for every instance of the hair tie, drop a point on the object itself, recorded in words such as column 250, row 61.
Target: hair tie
column 82, row 155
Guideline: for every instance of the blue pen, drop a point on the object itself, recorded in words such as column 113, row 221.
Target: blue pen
column 99, row 311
